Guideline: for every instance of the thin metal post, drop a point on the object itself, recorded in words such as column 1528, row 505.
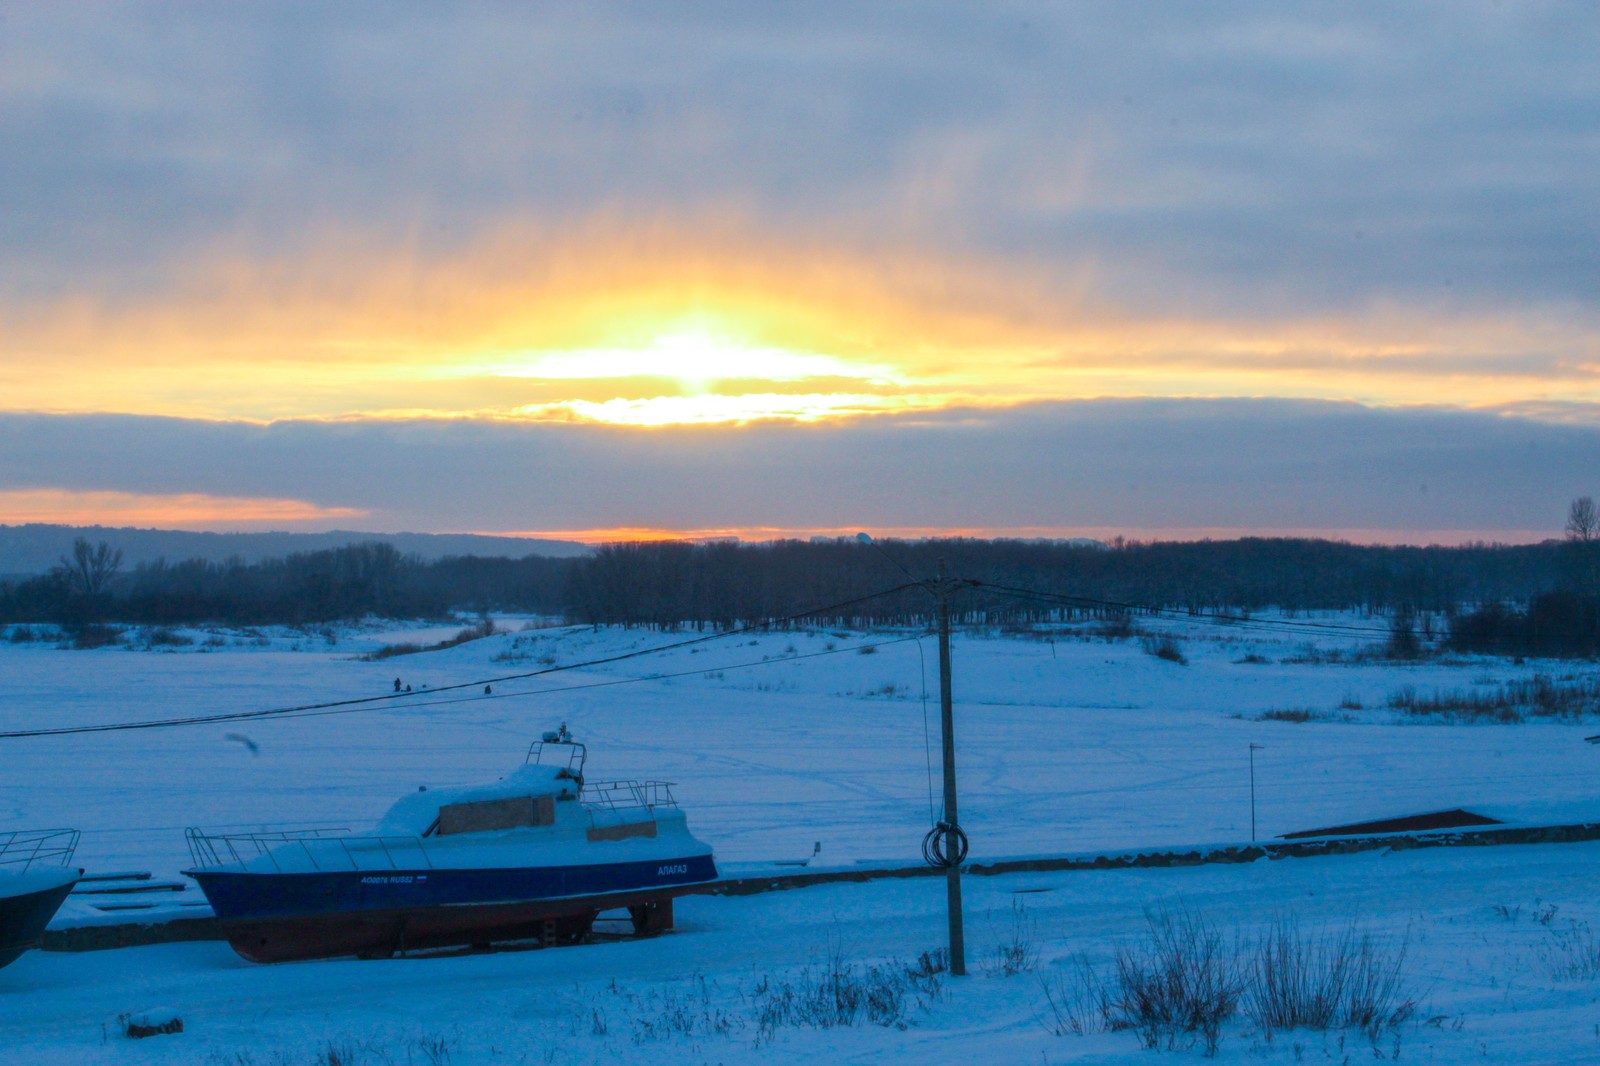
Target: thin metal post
column 958, row 940
column 1254, row 747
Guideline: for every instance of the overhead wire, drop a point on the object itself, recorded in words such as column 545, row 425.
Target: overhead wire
column 996, row 590
column 377, row 702
column 697, row 671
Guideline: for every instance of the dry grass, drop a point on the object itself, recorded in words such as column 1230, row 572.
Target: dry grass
column 1539, row 696
column 1340, row 980
column 1188, row 978
column 1179, row 986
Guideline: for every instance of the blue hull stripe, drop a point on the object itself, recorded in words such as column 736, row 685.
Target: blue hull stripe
column 238, row 895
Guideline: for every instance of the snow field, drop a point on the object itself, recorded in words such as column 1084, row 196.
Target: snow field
column 1063, row 745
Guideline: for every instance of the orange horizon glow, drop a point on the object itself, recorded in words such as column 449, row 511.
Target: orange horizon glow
column 645, row 326
column 189, row 511
column 1106, row 534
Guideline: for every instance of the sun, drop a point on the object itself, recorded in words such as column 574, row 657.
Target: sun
column 697, row 358
column 700, row 372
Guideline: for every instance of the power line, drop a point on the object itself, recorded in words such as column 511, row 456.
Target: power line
column 375, row 702
column 700, row 670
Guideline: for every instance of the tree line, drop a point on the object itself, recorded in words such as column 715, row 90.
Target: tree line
column 1560, row 621
column 1499, row 595
column 668, row 584
column 90, row 587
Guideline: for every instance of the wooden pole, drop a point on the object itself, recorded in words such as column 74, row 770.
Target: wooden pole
column 958, row 940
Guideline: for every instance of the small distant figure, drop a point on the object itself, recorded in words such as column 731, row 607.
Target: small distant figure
column 397, row 684
column 408, row 688
column 255, row 749
column 488, row 690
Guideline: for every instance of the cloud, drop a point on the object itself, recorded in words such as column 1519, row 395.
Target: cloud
column 1220, row 159
column 188, row 510
column 1133, row 465
column 337, row 230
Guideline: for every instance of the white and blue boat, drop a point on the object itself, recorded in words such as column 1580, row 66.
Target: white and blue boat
column 536, row 855
column 35, row 877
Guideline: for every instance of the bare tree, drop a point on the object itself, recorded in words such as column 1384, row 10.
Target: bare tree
column 1583, row 522
column 91, row 568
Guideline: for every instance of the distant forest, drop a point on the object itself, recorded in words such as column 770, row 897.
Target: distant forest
column 718, row 585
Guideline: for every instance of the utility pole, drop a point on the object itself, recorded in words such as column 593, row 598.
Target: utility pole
column 951, row 846
column 945, row 844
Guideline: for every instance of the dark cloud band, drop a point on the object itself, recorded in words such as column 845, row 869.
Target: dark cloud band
column 1137, row 464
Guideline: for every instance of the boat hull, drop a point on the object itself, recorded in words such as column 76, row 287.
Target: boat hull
column 25, row 912
column 278, row 917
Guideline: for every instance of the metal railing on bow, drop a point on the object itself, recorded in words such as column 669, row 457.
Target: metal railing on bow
column 42, row 847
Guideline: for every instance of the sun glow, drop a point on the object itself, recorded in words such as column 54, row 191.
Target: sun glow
column 644, row 325
column 697, row 359
column 711, row 409
column 717, row 376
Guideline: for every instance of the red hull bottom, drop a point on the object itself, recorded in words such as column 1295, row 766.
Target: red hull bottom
column 380, row 934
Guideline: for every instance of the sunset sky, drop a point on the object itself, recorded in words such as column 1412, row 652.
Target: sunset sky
column 602, row 270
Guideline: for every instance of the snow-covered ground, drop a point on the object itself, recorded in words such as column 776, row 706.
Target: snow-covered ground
column 778, row 741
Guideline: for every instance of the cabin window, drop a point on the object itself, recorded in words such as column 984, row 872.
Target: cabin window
column 481, row 816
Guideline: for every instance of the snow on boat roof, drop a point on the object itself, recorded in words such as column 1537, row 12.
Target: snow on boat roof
column 412, row 815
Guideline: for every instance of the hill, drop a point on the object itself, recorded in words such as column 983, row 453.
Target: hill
column 36, row 547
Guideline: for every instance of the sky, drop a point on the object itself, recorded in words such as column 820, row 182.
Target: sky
column 770, row 269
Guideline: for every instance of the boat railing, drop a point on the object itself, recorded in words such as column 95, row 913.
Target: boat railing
column 322, row 850
column 566, row 751
column 628, row 795
column 45, row 847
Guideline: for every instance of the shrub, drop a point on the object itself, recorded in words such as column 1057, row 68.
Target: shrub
column 1571, row 954
column 1076, row 1003
column 840, row 993
column 93, row 635
column 485, row 628
column 1184, row 983
column 1118, row 626
column 1016, row 953
column 1403, row 642
column 1188, row 979
column 389, row 651
column 1539, row 696
column 1554, row 624
column 1164, row 647
column 1289, row 714
column 1330, row 981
